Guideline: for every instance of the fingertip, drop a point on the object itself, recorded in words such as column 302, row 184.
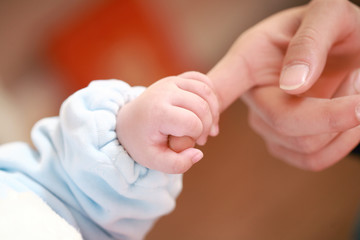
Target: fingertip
column 214, row 130
column 202, row 140
column 185, row 160
column 197, row 156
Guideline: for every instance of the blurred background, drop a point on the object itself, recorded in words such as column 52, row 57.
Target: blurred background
column 50, row 49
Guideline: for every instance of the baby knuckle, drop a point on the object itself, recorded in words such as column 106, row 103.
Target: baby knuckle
column 207, row 91
column 158, row 110
column 178, row 167
column 203, row 106
column 198, row 76
column 195, row 126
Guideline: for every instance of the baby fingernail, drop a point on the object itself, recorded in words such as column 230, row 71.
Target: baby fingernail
column 293, row 76
column 197, row 157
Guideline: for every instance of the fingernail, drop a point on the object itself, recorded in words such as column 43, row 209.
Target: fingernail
column 197, row 157
column 293, row 76
column 356, row 80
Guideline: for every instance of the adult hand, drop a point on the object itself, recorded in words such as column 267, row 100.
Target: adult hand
column 312, row 48
column 306, row 132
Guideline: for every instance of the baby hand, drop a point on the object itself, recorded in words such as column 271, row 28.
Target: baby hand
column 174, row 111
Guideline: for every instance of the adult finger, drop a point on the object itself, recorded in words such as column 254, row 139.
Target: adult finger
column 329, row 155
column 300, row 144
column 306, row 55
column 301, row 116
column 350, row 86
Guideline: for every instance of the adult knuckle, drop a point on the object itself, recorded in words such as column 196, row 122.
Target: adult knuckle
column 309, row 163
column 278, row 123
column 305, row 144
column 331, row 120
column 166, row 80
column 307, row 37
column 335, row 4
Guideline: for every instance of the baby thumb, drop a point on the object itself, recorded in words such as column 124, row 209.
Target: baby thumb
column 176, row 163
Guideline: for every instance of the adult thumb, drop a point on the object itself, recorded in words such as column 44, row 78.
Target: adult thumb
column 307, row 52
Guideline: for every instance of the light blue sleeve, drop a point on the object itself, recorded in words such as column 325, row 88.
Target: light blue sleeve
column 81, row 171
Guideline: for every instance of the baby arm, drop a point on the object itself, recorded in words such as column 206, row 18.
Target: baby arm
column 160, row 127
column 82, row 172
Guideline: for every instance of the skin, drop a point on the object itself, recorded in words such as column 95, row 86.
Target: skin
column 152, row 127
column 310, row 125
column 312, row 54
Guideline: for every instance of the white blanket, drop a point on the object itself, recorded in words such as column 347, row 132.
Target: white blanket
column 24, row 216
